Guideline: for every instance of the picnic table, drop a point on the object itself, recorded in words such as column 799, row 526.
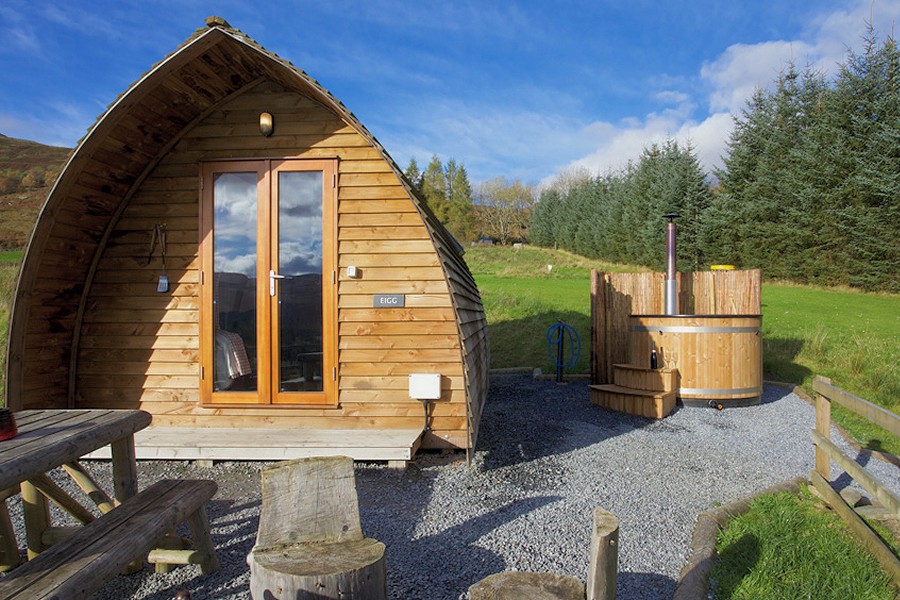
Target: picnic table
column 52, row 438
column 74, row 562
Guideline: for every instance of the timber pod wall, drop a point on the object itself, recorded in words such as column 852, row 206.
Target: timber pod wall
column 188, row 264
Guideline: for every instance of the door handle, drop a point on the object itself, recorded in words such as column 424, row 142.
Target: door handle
column 272, row 277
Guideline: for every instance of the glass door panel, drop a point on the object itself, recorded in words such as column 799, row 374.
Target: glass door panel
column 299, row 281
column 234, row 282
column 268, row 321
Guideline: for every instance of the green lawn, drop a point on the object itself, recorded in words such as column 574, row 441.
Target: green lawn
column 788, row 547
column 849, row 336
column 10, row 256
column 521, row 310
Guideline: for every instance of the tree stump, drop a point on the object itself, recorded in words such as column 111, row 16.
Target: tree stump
column 515, row 585
column 310, row 543
column 315, row 571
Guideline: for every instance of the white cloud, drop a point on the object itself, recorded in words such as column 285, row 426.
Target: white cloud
column 492, row 140
column 615, row 144
column 75, row 18
column 25, row 39
column 709, row 137
column 58, row 131
column 731, row 80
column 743, row 68
column 672, row 97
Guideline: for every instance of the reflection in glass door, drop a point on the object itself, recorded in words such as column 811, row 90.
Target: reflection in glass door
column 297, row 281
column 234, row 282
column 267, row 297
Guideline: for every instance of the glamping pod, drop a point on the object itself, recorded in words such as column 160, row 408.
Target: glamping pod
column 229, row 249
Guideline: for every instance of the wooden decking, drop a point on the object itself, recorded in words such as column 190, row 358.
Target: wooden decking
column 203, row 443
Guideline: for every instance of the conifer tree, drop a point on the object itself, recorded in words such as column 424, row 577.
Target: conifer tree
column 413, row 174
column 434, row 188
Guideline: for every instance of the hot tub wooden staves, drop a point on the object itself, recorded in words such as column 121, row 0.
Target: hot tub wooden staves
column 219, row 278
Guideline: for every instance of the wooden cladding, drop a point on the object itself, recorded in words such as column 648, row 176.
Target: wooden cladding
column 617, row 296
column 90, row 329
column 378, row 230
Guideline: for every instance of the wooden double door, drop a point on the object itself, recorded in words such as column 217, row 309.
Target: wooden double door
column 268, row 314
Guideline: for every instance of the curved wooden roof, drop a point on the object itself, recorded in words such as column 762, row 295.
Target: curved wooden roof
column 120, row 150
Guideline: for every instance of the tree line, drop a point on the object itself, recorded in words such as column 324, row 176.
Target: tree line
column 20, row 180
column 618, row 216
column 496, row 210
column 809, row 190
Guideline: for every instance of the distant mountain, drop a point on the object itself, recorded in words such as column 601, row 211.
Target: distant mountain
column 27, row 172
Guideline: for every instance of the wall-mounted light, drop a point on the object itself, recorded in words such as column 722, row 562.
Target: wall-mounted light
column 266, row 124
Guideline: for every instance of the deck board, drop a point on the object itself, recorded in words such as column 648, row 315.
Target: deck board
column 204, row 443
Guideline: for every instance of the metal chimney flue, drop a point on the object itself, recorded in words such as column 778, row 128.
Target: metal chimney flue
column 671, row 282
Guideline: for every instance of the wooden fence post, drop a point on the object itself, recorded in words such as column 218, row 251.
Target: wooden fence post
column 604, row 556
column 823, row 427
column 826, row 451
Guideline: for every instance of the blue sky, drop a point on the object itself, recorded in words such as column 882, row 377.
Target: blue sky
column 521, row 89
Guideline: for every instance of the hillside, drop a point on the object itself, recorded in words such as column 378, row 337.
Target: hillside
column 27, row 171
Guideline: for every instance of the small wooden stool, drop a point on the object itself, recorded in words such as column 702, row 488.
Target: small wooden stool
column 310, row 544
column 515, row 585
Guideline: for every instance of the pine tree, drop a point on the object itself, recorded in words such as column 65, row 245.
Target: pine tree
column 434, row 189
column 810, row 185
column 413, row 174
column 546, row 211
column 868, row 89
column 460, row 217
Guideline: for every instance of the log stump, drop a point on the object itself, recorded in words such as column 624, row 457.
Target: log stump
column 515, row 585
column 310, row 544
column 315, row 571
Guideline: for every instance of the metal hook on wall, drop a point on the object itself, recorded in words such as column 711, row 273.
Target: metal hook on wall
column 158, row 238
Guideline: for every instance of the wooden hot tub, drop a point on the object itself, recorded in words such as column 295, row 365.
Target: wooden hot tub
column 717, row 357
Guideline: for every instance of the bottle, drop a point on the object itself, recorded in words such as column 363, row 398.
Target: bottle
column 654, row 361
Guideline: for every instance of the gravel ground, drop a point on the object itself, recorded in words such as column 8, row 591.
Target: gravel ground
column 545, row 459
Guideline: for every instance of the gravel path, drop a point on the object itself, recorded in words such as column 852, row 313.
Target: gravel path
column 545, row 459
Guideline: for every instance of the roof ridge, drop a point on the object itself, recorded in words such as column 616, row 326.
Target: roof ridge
column 216, row 21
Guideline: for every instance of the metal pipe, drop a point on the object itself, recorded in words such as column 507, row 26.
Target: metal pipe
column 671, row 282
column 560, row 351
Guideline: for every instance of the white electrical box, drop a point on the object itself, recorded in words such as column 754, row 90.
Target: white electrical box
column 352, row 272
column 425, row 386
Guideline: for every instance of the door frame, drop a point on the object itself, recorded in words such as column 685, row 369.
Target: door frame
column 266, row 393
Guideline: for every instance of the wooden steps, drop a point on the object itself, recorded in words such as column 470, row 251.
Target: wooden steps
column 637, row 391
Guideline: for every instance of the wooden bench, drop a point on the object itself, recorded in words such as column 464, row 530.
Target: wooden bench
column 79, row 565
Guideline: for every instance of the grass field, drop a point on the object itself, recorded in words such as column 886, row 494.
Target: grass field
column 522, row 298
column 849, row 336
column 788, row 547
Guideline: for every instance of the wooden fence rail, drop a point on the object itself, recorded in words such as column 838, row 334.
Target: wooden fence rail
column 826, row 451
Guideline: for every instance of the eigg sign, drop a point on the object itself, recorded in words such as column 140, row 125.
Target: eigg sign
column 388, row 300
